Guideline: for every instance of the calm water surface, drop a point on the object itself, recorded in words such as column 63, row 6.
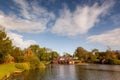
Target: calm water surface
column 73, row 72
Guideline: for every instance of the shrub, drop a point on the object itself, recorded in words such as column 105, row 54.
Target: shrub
column 34, row 62
column 114, row 61
column 31, row 62
column 46, row 62
column 41, row 65
column 78, row 61
column 23, row 66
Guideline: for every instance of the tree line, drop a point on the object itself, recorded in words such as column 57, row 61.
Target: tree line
column 35, row 53
column 95, row 56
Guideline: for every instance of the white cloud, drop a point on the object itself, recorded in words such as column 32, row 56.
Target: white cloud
column 110, row 38
column 32, row 18
column 81, row 20
column 19, row 41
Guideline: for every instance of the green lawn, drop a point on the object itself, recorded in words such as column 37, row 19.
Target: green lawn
column 6, row 69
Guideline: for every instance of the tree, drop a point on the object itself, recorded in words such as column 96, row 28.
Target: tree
column 34, row 48
column 5, row 45
column 18, row 54
column 110, row 54
column 53, row 55
column 117, row 52
column 81, row 53
column 94, row 51
column 41, row 52
column 44, row 54
column 67, row 55
column 46, row 57
column 91, row 57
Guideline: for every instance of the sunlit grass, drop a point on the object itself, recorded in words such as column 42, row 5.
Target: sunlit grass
column 6, row 69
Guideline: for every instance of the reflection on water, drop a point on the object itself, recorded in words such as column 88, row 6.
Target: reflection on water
column 73, row 72
column 98, row 72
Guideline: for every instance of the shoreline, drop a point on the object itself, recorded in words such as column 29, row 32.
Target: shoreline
column 7, row 70
column 82, row 64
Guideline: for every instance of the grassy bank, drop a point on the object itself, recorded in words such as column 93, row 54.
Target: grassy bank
column 6, row 69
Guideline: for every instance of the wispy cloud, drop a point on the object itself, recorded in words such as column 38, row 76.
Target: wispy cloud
column 18, row 40
column 109, row 38
column 81, row 20
column 32, row 17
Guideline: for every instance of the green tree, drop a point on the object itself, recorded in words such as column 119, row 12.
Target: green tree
column 41, row 52
column 18, row 54
column 110, row 54
column 95, row 51
column 46, row 57
column 5, row 45
column 34, row 61
column 81, row 53
column 67, row 55
column 53, row 55
column 34, row 48
column 91, row 57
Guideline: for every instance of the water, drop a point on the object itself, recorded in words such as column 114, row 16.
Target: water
column 73, row 72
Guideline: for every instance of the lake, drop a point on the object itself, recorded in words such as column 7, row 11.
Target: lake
column 73, row 72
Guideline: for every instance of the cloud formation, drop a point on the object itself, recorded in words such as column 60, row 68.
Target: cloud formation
column 81, row 20
column 32, row 18
column 19, row 41
column 110, row 38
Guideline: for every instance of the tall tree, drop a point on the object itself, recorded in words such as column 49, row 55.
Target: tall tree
column 5, row 45
column 94, row 51
column 34, row 48
column 53, row 55
column 67, row 55
column 81, row 53
column 18, row 54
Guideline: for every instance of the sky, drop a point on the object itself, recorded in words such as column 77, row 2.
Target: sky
column 62, row 25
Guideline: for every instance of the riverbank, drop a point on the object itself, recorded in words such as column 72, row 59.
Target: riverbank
column 82, row 64
column 7, row 69
column 16, row 68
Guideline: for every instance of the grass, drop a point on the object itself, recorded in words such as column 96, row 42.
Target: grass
column 6, row 69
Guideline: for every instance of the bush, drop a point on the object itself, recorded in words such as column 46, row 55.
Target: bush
column 78, row 61
column 34, row 62
column 46, row 62
column 23, row 66
column 114, row 61
column 41, row 65
column 31, row 62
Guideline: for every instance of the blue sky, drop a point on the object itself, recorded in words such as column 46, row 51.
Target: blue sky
column 62, row 25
